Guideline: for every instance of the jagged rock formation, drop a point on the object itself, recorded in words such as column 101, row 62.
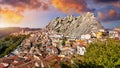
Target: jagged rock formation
column 75, row 26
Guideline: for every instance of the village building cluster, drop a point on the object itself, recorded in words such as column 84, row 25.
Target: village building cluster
column 42, row 47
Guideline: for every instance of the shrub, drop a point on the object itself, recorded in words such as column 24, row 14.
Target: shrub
column 9, row 43
column 104, row 54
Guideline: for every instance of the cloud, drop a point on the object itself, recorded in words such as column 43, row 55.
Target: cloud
column 68, row 6
column 105, row 1
column 45, row 6
column 116, row 4
column 110, row 16
column 25, row 4
column 109, row 6
column 100, row 15
column 11, row 16
column 12, row 10
column 112, row 13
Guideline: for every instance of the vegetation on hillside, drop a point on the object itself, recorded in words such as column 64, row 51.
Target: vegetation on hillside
column 100, row 54
column 9, row 43
column 104, row 54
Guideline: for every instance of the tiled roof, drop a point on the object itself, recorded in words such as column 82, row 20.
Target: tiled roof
column 18, row 63
column 2, row 66
column 51, row 57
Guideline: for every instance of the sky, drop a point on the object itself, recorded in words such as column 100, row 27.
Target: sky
column 38, row 13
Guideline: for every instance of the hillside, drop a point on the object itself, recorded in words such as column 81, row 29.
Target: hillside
column 8, row 30
column 75, row 26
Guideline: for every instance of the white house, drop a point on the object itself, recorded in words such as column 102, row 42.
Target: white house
column 86, row 36
column 102, row 30
column 113, row 34
column 81, row 50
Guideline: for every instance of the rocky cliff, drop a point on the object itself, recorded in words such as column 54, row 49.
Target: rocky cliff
column 75, row 26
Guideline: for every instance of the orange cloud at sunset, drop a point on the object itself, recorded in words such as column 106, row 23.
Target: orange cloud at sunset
column 68, row 5
column 112, row 13
column 20, row 9
column 100, row 15
column 12, row 10
column 11, row 16
column 109, row 16
column 25, row 4
column 116, row 4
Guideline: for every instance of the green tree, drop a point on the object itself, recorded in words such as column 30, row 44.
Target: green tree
column 105, row 54
column 9, row 43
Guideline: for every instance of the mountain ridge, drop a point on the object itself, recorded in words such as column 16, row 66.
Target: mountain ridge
column 75, row 26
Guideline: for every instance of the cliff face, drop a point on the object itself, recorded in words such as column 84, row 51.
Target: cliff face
column 75, row 26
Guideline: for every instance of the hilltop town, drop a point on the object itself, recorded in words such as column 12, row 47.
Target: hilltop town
column 46, row 48
column 42, row 48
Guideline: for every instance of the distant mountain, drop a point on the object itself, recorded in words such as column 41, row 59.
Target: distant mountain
column 8, row 30
column 75, row 26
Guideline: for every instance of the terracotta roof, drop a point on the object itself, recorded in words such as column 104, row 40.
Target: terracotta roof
column 58, row 58
column 8, row 60
column 65, row 47
column 57, row 65
column 80, row 41
column 2, row 66
column 14, row 57
column 51, row 57
column 66, row 50
column 74, row 46
column 54, row 48
column 18, row 63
